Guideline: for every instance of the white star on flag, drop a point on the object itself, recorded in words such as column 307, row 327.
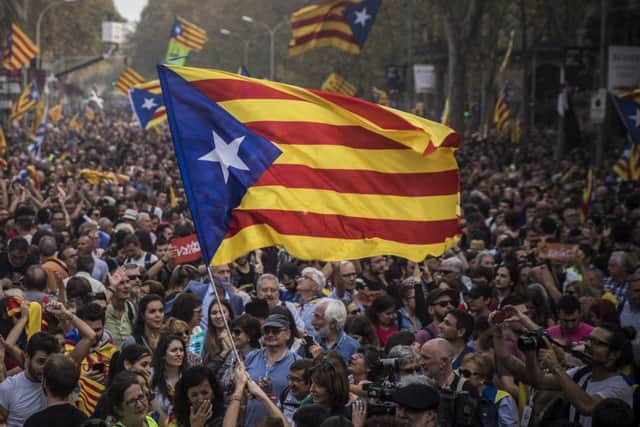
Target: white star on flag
column 636, row 117
column 362, row 17
column 149, row 104
column 226, row 155
column 177, row 30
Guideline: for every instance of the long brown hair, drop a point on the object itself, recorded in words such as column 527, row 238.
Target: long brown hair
column 212, row 343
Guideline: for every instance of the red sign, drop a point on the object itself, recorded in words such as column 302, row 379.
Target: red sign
column 187, row 249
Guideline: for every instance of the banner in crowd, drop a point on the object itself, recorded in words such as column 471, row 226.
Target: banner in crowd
column 187, row 249
column 20, row 49
column 343, row 24
column 371, row 181
column 501, row 112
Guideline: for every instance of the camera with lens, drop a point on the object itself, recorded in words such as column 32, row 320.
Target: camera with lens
column 532, row 340
column 380, row 398
column 457, row 409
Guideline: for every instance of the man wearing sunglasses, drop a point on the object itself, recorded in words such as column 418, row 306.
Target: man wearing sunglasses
column 269, row 366
column 609, row 351
column 439, row 303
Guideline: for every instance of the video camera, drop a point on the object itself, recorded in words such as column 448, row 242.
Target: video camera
column 533, row 340
column 457, row 409
column 380, row 398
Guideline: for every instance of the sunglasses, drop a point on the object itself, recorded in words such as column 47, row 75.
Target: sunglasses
column 467, row 373
column 444, row 304
column 272, row 331
column 134, row 277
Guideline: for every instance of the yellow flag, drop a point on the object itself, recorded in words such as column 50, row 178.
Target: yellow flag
column 173, row 200
column 75, row 124
column 3, row 143
column 55, row 113
column 37, row 118
column 88, row 113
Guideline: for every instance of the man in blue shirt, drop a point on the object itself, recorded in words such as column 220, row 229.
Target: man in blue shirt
column 329, row 317
column 456, row 328
column 269, row 366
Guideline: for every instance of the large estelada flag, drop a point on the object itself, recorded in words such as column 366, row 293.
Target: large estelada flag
column 20, row 49
column 27, row 101
column 147, row 104
column 324, row 175
column 127, row 79
column 343, row 24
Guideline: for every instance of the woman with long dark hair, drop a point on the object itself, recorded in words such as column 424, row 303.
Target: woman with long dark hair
column 169, row 360
column 382, row 315
column 217, row 342
column 134, row 358
column 198, row 400
column 359, row 327
column 147, row 327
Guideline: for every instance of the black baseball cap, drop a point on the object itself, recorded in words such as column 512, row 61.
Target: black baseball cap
column 417, row 397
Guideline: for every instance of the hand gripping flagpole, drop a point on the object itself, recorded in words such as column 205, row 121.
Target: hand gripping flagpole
column 220, row 306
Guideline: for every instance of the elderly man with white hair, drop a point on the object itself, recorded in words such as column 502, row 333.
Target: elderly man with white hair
column 621, row 265
column 329, row 317
column 309, row 288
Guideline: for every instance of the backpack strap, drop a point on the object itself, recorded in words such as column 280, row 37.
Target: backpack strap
column 461, row 382
column 131, row 311
column 581, row 373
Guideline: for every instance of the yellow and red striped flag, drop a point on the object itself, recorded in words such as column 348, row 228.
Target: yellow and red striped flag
column 343, row 24
column 20, row 49
column 627, row 167
column 55, row 113
column 189, row 35
column 27, row 101
column 127, row 79
column 501, row 112
column 324, row 175
column 337, row 84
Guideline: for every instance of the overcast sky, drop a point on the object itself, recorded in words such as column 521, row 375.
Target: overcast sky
column 130, row 9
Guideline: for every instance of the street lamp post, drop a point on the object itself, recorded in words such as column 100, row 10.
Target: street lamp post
column 272, row 44
column 228, row 33
column 39, row 21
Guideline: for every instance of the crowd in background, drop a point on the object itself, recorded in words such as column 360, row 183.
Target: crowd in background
column 101, row 326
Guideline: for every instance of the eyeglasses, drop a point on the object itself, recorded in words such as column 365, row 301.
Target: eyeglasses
column 444, row 304
column 596, row 341
column 139, row 399
column 272, row 331
column 467, row 373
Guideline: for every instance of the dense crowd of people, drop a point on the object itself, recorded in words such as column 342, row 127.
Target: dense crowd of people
column 530, row 319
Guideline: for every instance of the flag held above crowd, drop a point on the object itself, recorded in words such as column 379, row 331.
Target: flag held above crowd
column 343, row 24
column 147, row 104
column 501, row 112
column 629, row 111
column 27, row 101
column 189, row 35
column 371, row 181
column 20, row 49
column 128, row 79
